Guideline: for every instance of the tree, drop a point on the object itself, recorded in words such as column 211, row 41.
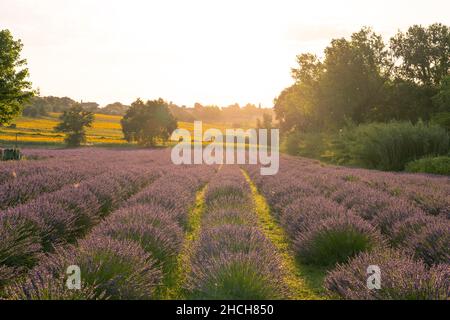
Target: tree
column 441, row 102
column 266, row 122
column 146, row 123
column 90, row 106
column 424, row 54
column 347, row 85
column 442, row 99
column 14, row 88
column 356, row 72
column 73, row 123
column 36, row 107
column 115, row 108
column 406, row 101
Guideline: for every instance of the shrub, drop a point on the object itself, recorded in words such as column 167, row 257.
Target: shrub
column 43, row 285
column 10, row 154
column 122, row 269
column 20, row 243
column 307, row 211
column 432, row 244
column 291, row 144
column 225, row 192
column 437, row 165
column 363, row 201
column 150, row 227
column 7, row 274
column 442, row 119
column 219, row 216
column 310, row 145
column 401, row 230
column 231, row 239
column 390, row 146
column 110, row 269
column 397, row 212
column 237, row 276
column 335, row 240
column 401, row 278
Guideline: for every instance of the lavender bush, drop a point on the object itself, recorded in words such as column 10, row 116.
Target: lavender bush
column 335, row 240
column 402, row 278
column 232, row 259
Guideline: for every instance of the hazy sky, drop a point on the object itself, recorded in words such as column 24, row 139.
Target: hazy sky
column 186, row 51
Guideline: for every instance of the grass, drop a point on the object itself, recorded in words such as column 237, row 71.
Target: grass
column 172, row 286
column 305, row 282
column 106, row 130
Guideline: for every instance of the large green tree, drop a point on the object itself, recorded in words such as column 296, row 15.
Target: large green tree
column 347, row 85
column 356, row 73
column 146, row 123
column 362, row 79
column 15, row 89
column 74, row 122
column 423, row 54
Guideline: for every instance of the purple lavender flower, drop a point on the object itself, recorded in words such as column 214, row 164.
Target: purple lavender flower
column 401, row 278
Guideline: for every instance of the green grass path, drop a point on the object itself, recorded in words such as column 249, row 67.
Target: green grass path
column 304, row 282
column 172, row 287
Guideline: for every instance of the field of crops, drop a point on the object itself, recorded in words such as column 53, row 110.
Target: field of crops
column 139, row 227
column 106, row 131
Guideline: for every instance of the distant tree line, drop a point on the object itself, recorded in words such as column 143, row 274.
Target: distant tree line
column 41, row 106
column 233, row 114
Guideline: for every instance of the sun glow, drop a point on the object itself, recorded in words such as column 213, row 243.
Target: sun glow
column 213, row 52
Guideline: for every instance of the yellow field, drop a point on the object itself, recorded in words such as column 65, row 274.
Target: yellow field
column 106, row 129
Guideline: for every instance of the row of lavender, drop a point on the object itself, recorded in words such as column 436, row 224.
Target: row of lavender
column 63, row 216
column 22, row 181
column 428, row 192
column 129, row 253
column 340, row 219
column 232, row 259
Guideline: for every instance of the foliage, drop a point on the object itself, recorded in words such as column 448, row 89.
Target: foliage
column 363, row 80
column 335, row 240
column 442, row 119
column 346, row 84
column 291, row 144
column 265, row 123
column 425, row 53
column 390, row 146
column 10, row 154
column 402, row 278
column 442, row 98
column 115, row 108
column 145, row 123
column 73, row 123
column 438, row 165
column 15, row 89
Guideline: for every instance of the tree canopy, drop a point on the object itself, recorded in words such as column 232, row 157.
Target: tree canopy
column 15, row 89
column 146, row 123
column 424, row 53
column 362, row 79
column 74, row 122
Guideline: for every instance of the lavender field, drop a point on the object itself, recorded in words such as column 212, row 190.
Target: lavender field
column 139, row 227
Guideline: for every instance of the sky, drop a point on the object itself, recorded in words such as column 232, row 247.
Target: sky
column 209, row 51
